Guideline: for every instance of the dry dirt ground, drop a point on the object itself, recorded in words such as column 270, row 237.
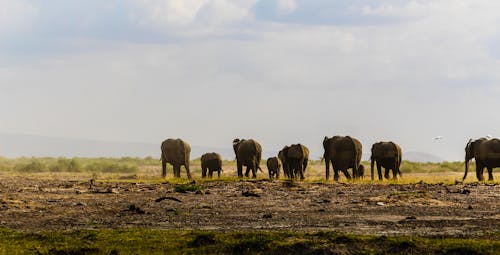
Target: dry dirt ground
column 69, row 203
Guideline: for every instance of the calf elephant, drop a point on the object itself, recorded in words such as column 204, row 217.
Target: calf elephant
column 297, row 157
column 343, row 152
column 387, row 155
column 273, row 167
column 248, row 153
column 176, row 152
column 211, row 162
column 487, row 155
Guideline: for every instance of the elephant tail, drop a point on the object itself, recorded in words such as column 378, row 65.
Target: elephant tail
column 258, row 167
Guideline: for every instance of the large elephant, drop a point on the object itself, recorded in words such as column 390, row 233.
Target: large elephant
column 212, row 162
column 248, row 153
column 176, row 152
column 273, row 167
column 487, row 155
column 471, row 151
column 387, row 155
column 297, row 157
column 343, row 152
column 282, row 156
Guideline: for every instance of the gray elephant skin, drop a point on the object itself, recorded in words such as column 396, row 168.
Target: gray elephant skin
column 343, row 152
column 297, row 158
column 387, row 155
column 486, row 152
column 175, row 152
column 282, row 156
column 211, row 162
column 248, row 153
column 273, row 167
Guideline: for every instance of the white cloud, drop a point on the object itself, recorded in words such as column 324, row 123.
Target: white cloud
column 287, row 6
column 15, row 15
column 193, row 14
column 427, row 73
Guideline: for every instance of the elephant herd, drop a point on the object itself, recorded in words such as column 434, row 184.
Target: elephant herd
column 341, row 152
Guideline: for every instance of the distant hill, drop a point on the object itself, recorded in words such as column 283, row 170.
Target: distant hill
column 16, row 145
column 421, row 157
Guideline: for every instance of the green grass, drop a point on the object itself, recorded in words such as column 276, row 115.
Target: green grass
column 187, row 187
column 74, row 165
column 142, row 241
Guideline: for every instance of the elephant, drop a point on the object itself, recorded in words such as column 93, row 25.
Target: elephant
column 487, row 155
column 387, row 155
column 273, row 167
column 248, row 153
column 471, row 151
column 175, row 152
column 297, row 157
column 282, row 156
column 343, row 152
column 211, row 162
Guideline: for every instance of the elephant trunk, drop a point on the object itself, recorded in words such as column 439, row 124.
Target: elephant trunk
column 371, row 167
column 466, row 168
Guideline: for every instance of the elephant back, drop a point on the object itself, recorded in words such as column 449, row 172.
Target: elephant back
column 247, row 150
column 210, row 156
column 273, row 163
column 385, row 150
column 297, row 151
column 175, row 151
column 490, row 149
column 343, row 146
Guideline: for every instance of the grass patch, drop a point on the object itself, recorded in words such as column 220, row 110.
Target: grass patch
column 187, row 187
column 143, row 241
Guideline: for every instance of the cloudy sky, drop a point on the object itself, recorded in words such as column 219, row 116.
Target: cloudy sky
column 280, row 71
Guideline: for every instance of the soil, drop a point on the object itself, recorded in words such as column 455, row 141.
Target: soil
column 462, row 210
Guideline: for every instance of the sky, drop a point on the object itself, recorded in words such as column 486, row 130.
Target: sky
column 278, row 71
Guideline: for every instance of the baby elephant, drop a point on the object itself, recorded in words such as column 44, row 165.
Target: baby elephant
column 211, row 162
column 273, row 166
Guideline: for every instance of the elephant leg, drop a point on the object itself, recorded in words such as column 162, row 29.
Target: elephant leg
column 327, row 169
column 203, row 172
column 210, row 173
column 490, row 173
column 302, row 169
column 254, row 170
column 278, row 173
column 247, row 172
column 218, row 173
column 240, row 169
column 346, row 173
column 479, row 172
column 336, row 175
column 379, row 171
column 394, row 174
column 163, row 168
column 387, row 172
column 177, row 171
column 188, row 172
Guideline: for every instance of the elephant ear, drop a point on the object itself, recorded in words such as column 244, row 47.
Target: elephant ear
column 236, row 143
column 325, row 142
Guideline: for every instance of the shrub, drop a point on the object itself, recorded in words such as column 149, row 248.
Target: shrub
column 35, row 165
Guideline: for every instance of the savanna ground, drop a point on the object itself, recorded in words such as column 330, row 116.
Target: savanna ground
column 115, row 206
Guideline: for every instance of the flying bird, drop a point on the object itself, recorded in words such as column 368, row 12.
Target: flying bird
column 437, row 138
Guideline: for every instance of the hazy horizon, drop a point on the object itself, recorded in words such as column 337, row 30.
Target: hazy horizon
column 278, row 71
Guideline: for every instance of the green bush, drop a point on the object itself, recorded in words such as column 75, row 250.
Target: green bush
column 33, row 166
column 66, row 165
column 110, row 167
